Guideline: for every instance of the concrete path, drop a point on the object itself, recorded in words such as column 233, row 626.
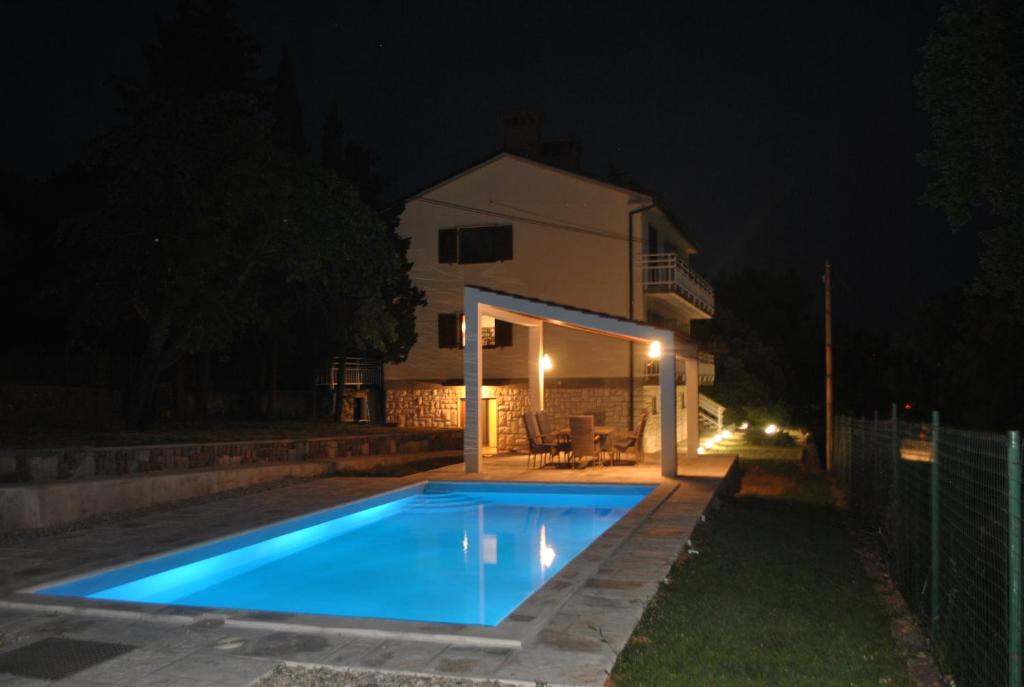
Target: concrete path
column 569, row 632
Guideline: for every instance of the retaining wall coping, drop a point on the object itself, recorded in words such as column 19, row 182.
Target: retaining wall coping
column 400, row 432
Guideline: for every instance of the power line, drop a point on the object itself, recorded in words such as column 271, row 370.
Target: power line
column 579, row 229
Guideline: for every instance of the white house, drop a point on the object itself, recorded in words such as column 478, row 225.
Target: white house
column 540, row 230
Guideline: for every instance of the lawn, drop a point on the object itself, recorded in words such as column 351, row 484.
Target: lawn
column 775, row 596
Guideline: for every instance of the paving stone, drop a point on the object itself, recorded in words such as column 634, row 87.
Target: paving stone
column 399, row 655
column 224, row 669
column 288, row 645
column 129, row 669
column 464, row 660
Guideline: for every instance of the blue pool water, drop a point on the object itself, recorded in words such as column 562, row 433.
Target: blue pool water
column 445, row 552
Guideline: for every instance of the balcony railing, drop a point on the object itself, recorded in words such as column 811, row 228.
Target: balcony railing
column 667, row 272
column 353, row 372
column 706, row 367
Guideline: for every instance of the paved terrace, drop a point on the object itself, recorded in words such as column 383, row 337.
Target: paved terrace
column 568, row 633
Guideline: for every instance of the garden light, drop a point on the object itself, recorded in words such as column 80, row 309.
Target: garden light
column 771, row 429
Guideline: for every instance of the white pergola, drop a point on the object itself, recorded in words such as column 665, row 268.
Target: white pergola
column 532, row 314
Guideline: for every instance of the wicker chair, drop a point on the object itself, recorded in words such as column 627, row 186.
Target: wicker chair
column 560, row 440
column 581, row 436
column 634, row 441
column 539, row 449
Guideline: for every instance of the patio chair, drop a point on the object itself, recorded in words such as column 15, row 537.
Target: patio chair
column 547, row 428
column 539, row 449
column 599, row 417
column 549, row 434
column 584, row 441
column 634, row 441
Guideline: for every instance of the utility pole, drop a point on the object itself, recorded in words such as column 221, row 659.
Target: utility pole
column 828, row 366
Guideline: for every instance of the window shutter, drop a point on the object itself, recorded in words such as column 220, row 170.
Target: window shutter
column 503, row 243
column 502, row 334
column 447, row 330
column 447, row 245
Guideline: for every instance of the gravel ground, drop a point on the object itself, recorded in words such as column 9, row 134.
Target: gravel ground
column 285, row 676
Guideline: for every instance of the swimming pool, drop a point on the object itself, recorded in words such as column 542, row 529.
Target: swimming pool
column 447, row 552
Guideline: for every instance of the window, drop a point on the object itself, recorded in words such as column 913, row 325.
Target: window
column 470, row 245
column 451, row 331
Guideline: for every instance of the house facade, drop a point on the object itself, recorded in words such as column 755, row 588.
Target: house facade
column 516, row 224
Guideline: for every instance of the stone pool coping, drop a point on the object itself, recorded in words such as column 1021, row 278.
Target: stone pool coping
column 568, row 632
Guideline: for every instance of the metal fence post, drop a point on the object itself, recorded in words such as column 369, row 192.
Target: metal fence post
column 894, row 482
column 1013, row 639
column 934, row 532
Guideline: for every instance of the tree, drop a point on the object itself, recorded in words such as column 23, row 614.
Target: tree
column 200, row 52
column 358, row 165
column 288, row 127
column 972, row 86
column 210, row 221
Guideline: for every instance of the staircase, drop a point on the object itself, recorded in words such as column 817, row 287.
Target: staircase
column 710, row 414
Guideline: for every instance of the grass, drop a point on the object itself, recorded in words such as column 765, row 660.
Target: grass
column 182, row 432
column 776, row 596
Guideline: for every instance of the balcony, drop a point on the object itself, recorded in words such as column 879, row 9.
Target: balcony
column 357, row 372
column 665, row 273
column 705, row 370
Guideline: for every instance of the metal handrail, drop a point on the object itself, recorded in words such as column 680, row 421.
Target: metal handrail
column 668, row 270
column 363, row 371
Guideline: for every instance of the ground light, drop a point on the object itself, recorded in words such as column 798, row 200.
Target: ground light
column 771, row 429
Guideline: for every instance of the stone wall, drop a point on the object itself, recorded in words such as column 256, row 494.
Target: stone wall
column 24, row 465
column 513, row 401
column 424, row 405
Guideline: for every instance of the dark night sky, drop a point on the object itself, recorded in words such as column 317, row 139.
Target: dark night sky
column 780, row 133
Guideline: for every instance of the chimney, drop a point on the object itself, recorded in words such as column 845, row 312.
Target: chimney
column 521, row 132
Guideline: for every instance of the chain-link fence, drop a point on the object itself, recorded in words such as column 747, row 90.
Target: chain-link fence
column 946, row 503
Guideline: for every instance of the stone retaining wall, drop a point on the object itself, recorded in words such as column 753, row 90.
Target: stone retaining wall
column 48, row 504
column 72, row 463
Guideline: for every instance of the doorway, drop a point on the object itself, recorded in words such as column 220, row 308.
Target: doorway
column 489, row 435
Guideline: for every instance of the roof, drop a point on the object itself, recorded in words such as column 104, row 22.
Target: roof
column 679, row 337
column 495, row 156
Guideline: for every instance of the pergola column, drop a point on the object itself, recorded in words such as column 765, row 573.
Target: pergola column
column 536, row 370
column 667, row 400
column 473, row 377
column 692, row 367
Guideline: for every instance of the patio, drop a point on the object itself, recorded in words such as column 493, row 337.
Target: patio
column 568, row 632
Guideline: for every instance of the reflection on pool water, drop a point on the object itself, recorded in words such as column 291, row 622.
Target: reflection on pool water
column 445, row 552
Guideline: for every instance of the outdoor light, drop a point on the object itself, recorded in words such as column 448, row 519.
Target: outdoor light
column 771, row 429
column 726, row 433
column 654, row 352
column 700, row 450
column 709, row 443
column 545, row 362
column 744, row 426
